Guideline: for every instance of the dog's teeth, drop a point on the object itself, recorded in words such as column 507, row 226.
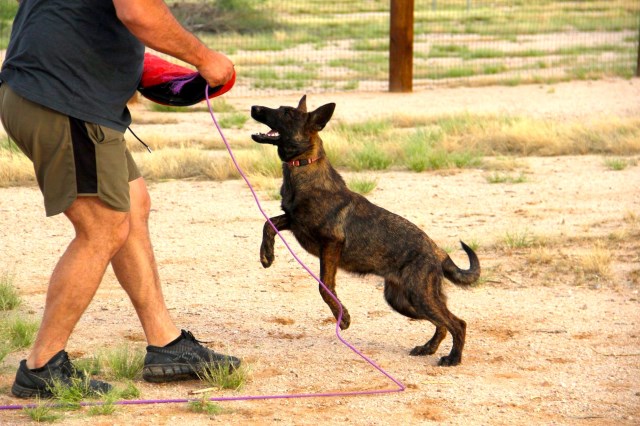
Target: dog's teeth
column 273, row 133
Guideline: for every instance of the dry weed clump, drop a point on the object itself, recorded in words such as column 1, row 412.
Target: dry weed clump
column 597, row 263
column 527, row 136
column 15, row 169
column 541, row 256
column 187, row 163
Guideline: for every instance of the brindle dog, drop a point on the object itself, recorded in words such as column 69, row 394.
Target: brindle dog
column 347, row 231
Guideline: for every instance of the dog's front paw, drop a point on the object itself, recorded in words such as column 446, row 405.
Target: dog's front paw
column 266, row 261
column 346, row 320
column 449, row 361
column 266, row 255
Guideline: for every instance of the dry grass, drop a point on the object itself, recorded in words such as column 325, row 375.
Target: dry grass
column 580, row 260
column 525, row 136
column 269, row 186
column 597, row 263
column 194, row 163
column 187, row 163
column 504, row 164
column 395, row 142
column 261, row 160
column 541, row 256
column 631, row 218
column 159, row 140
column 15, row 169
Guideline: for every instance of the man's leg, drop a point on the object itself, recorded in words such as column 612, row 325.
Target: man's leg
column 100, row 233
column 135, row 267
column 172, row 354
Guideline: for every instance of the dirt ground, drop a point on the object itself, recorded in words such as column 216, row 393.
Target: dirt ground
column 547, row 342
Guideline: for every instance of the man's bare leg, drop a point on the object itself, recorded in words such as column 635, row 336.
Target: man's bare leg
column 135, row 267
column 100, row 232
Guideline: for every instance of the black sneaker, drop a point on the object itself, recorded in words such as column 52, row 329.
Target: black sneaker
column 183, row 359
column 59, row 369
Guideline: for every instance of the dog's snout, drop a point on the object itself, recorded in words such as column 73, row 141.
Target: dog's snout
column 255, row 110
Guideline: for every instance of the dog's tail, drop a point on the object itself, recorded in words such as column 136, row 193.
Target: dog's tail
column 461, row 276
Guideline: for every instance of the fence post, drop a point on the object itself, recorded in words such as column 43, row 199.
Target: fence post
column 401, row 46
column 638, row 64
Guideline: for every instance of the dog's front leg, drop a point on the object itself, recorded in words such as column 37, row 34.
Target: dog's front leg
column 329, row 259
column 282, row 223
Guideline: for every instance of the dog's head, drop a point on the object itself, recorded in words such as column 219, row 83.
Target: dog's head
column 293, row 130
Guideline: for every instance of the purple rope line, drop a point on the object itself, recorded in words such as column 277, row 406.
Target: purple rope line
column 400, row 386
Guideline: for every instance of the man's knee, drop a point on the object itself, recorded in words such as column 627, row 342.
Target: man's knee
column 98, row 224
column 140, row 200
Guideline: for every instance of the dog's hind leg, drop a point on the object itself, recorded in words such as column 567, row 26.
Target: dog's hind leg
column 458, row 329
column 329, row 259
column 398, row 300
column 430, row 303
column 282, row 223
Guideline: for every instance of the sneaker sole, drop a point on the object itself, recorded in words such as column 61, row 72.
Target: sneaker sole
column 160, row 373
column 23, row 392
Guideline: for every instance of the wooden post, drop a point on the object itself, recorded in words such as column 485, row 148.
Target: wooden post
column 638, row 64
column 401, row 46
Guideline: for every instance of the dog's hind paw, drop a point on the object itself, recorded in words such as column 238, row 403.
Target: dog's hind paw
column 422, row 351
column 449, row 361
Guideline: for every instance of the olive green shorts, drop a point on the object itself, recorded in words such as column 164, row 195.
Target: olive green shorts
column 70, row 157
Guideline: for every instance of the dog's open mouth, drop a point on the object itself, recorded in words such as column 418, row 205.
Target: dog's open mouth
column 270, row 137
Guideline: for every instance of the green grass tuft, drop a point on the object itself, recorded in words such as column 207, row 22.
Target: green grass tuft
column 506, row 178
column 106, row 407
column 370, row 157
column 130, row 391
column 617, row 164
column 518, row 240
column 42, row 412
column 69, row 396
column 233, row 120
column 205, row 407
column 224, row 377
column 19, row 332
column 123, row 362
column 9, row 298
column 91, row 366
column 362, row 185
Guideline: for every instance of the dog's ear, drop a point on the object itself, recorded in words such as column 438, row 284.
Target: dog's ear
column 321, row 116
column 302, row 105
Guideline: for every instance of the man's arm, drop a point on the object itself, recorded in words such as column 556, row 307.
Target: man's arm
column 152, row 22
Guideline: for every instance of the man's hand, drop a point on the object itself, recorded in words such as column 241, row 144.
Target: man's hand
column 153, row 24
column 217, row 69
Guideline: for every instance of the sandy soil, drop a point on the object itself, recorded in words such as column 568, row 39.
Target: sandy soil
column 547, row 342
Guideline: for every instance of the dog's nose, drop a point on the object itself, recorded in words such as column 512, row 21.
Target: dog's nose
column 255, row 109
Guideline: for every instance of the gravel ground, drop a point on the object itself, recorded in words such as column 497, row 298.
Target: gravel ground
column 545, row 344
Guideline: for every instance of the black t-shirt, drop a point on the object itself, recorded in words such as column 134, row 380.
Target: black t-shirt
column 75, row 57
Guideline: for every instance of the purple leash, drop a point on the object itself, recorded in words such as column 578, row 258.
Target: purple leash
column 400, row 387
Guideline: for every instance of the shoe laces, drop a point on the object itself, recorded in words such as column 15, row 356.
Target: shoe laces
column 190, row 337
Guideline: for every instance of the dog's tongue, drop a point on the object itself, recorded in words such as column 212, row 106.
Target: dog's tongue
column 273, row 133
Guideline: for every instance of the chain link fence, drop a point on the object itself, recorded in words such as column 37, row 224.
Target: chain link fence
column 316, row 46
